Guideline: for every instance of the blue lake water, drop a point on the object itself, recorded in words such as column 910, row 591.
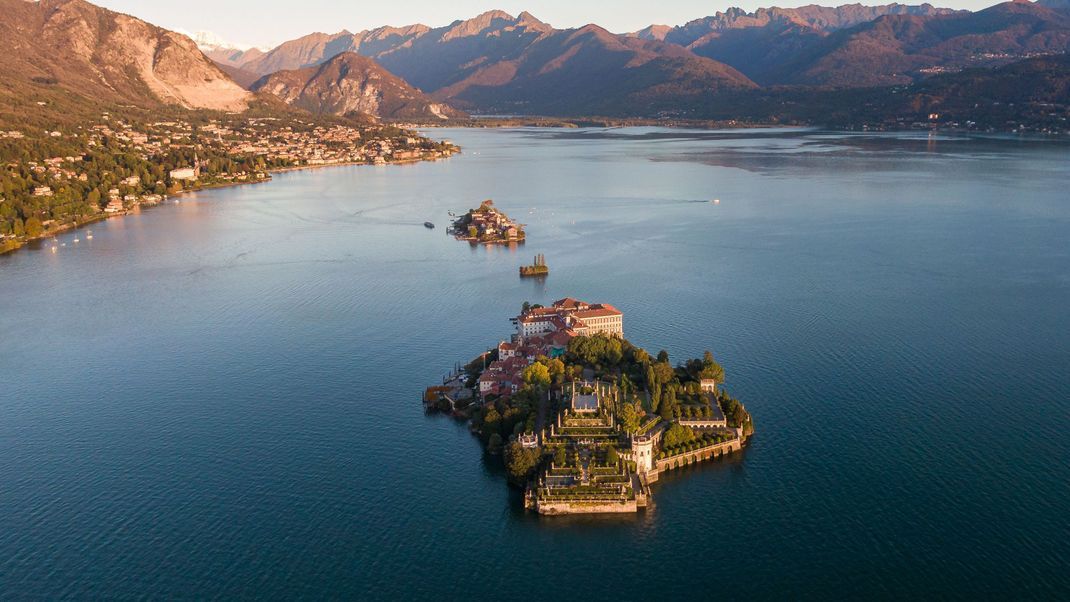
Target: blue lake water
column 221, row 398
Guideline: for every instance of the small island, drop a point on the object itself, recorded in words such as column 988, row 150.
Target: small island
column 585, row 420
column 539, row 268
column 487, row 225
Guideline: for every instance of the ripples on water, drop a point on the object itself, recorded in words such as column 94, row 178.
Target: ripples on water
column 220, row 398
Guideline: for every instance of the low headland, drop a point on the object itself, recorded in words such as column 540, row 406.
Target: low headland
column 585, row 420
column 88, row 170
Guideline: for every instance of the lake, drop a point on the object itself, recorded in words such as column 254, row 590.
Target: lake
column 220, row 398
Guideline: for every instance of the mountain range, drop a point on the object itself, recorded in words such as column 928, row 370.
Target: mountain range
column 500, row 64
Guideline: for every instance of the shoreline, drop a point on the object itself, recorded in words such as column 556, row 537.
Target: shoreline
column 20, row 245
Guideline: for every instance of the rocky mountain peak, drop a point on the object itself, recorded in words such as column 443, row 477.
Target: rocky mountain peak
column 94, row 51
column 351, row 84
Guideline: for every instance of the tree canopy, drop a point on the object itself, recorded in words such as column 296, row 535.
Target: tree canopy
column 537, row 375
column 677, row 434
column 520, row 461
column 630, row 418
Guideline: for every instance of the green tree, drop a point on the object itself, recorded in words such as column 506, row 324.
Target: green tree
column 677, row 435
column 560, row 457
column 494, row 444
column 641, row 356
column 663, row 356
column 711, row 369
column 491, row 423
column 667, row 405
column 537, row 375
column 520, row 462
column 630, row 418
column 33, row 227
column 556, row 368
column 612, row 457
column 663, row 372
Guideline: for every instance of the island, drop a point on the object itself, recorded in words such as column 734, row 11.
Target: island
column 584, row 420
column 487, row 225
column 536, row 269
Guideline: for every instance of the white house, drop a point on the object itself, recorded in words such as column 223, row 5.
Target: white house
column 184, row 173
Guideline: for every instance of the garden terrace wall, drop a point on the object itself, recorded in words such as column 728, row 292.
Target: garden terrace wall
column 555, row 507
column 703, row 453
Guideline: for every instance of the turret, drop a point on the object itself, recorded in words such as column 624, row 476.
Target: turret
column 643, row 450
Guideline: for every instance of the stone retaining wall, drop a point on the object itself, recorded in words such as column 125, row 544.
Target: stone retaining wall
column 629, row 506
column 698, row 455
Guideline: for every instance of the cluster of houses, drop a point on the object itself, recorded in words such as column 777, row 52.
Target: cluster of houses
column 546, row 331
column 488, row 224
column 118, row 202
column 305, row 144
column 322, row 145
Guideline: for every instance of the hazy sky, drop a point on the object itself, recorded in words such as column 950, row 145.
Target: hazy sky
column 269, row 22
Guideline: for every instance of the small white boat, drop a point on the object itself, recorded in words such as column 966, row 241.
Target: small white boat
column 76, row 240
column 716, row 201
column 54, row 247
column 89, row 237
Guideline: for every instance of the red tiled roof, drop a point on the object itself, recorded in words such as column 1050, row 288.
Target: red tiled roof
column 542, row 311
column 569, row 303
column 601, row 312
column 560, row 338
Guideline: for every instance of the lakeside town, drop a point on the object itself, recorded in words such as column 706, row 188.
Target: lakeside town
column 585, row 420
column 54, row 180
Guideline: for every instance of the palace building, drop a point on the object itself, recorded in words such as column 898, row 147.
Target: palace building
column 573, row 317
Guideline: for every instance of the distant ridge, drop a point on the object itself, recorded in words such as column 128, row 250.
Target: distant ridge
column 495, row 62
column 897, row 49
column 350, row 84
column 498, row 62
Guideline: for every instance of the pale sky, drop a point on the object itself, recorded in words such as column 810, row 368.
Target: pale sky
column 270, row 22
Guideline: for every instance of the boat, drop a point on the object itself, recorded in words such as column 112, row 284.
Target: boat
column 429, row 225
